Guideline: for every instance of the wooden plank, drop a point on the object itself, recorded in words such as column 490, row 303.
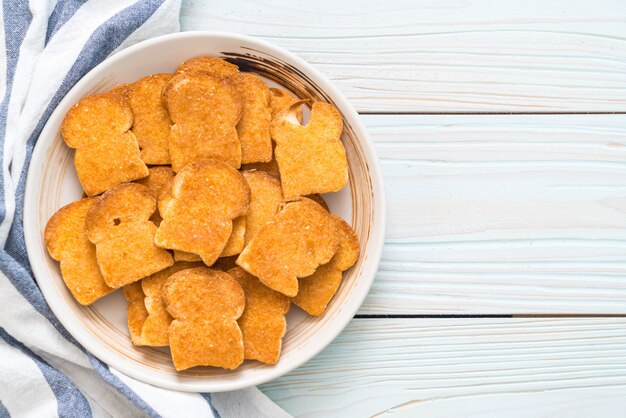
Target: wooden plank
column 464, row 368
column 502, row 214
column 446, row 55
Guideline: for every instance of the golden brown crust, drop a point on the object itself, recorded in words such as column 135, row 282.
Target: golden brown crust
column 253, row 128
column 317, row 290
column 118, row 224
column 185, row 256
column 236, row 241
column 67, row 242
column 205, row 198
column 267, row 197
column 205, row 111
column 152, row 121
column 154, row 329
column 217, row 67
column 107, row 153
column 205, row 305
column 301, row 237
column 311, row 158
column 263, row 323
column 281, row 99
column 136, row 311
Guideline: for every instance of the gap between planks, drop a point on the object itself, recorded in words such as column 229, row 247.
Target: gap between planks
column 486, row 316
column 383, row 113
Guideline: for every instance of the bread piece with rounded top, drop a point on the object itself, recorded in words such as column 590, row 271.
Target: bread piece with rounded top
column 317, row 290
column 206, row 196
column 107, row 152
column 205, row 111
column 300, row 238
column 205, row 305
column 263, row 323
column 217, row 67
column 118, row 224
column 266, row 198
column 152, row 121
column 253, row 128
column 67, row 243
column 311, row 159
column 154, row 329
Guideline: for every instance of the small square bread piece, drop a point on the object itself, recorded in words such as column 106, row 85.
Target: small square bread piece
column 67, row 242
column 157, row 321
column 152, row 122
column 263, row 323
column 107, row 152
column 312, row 158
column 205, row 111
column 206, row 197
column 118, row 224
column 254, row 126
column 316, row 290
column 301, row 237
column 205, row 305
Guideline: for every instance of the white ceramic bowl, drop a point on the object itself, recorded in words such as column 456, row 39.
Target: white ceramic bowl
column 101, row 328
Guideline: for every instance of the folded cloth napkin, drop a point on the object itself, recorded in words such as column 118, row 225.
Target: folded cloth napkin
column 44, row 372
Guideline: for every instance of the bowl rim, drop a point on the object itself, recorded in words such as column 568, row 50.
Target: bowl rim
column 373, row 251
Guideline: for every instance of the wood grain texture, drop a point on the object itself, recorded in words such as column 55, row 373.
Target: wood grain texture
column 446, row 55
column 463, row 368
column 502, row 214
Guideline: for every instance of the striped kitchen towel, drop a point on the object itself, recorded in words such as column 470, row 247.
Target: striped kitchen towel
column 48, row 46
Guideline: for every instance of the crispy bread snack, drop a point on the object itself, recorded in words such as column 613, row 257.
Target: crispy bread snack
column 311, row 158
column 233, row 246
column 185, row 256
column 205, row 305
column 158, row 178
column 263, row 323
column 136, row 312
column 67, row 242
column 118, row 223
column 121, row 89
column 217, row 67
column 154, row 330
column 107, row 153
column 267, row 197
column 152, row 122
column 206, row 197
column 281, row 99
column 301, row 237
column 205, row 111
column 254, row 126
column 270, row 167
column 316, row 290
column 236, row 240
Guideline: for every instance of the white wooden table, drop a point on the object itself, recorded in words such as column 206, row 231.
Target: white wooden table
column 501, row 130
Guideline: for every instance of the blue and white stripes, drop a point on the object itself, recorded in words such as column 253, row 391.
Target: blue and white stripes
column 44, row 372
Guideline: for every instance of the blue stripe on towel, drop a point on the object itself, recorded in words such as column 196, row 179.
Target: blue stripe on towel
column 62, row 12
column 114, row 381
column 102, row 42
column 207, row 397
column 71, row 402
column 17, row 18
column 4, row 413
